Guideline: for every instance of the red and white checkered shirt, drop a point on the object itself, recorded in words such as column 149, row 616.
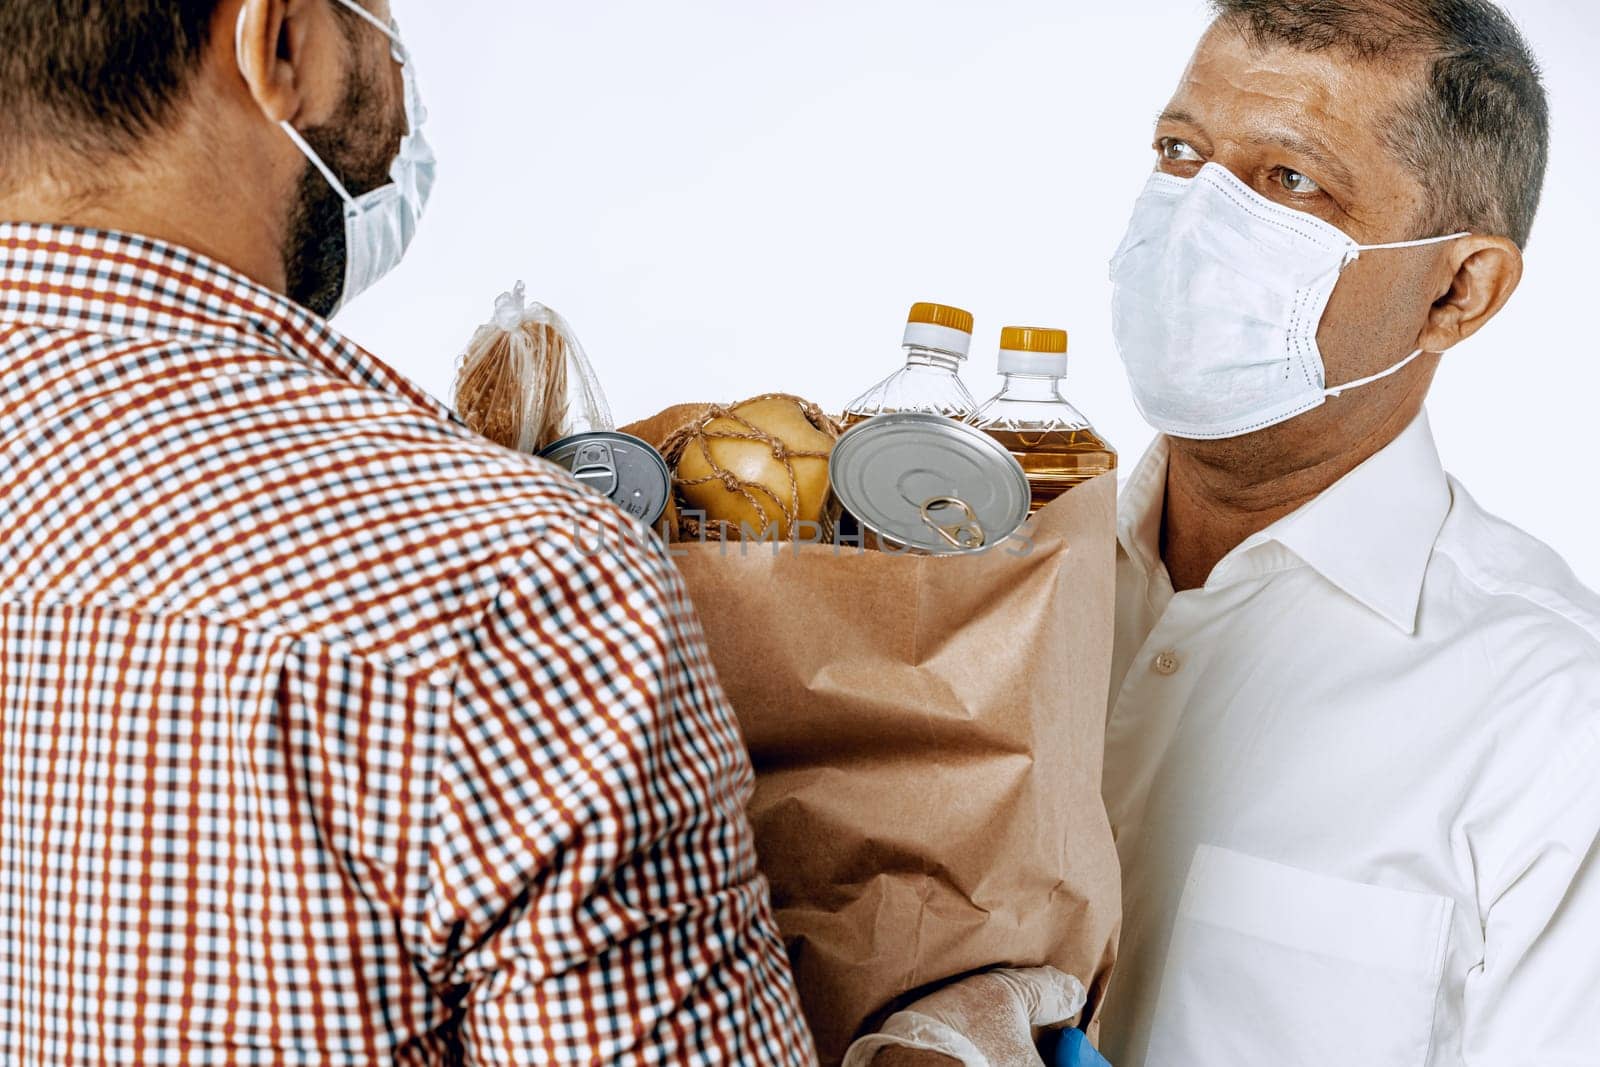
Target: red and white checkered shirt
column 331, row 733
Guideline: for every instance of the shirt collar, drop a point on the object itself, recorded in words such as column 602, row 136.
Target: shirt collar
column 99, row 281
column 1140, row 503
column 1371, row 534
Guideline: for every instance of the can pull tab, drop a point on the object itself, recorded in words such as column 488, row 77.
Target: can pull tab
column 965, row 533
column 595, row 465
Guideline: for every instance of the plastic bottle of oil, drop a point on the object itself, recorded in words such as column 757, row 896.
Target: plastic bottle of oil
column 1055, row 444
column 937, row 340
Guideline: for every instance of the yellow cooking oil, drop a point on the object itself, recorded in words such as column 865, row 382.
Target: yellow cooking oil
column 1057, row 446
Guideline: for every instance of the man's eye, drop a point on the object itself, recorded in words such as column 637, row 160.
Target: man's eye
column 1296, row 182
column 1176, row 151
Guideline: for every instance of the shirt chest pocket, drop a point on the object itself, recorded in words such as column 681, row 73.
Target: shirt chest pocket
column 1269, row 964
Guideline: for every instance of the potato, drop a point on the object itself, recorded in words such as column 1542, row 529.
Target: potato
column 716, row 455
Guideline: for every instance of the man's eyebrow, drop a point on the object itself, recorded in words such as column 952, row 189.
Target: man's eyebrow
column 1319, row 155
column 1294, row 142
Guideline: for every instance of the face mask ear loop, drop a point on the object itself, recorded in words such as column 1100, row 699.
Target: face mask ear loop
column 1372, row 377
column 294, row 134
column 316, row 161
column 362, row 12
column 1355, row 254
column 388, row 31
column 1418, row 244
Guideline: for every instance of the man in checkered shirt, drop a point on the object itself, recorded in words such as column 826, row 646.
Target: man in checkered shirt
column 330, row 733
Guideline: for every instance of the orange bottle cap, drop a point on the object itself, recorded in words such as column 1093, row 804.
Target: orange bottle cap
column 951, row 318
column 1033, row 339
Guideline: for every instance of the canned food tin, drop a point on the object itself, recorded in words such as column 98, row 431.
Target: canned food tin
column 928, row 483
column 620, row 467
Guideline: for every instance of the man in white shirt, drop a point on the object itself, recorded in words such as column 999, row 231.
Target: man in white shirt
column 1353, row 752
column 1353, row 746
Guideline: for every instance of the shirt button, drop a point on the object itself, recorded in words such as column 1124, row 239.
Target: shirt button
column 1167, row 663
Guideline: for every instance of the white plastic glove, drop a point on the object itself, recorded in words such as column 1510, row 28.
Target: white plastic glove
column 983, row 1021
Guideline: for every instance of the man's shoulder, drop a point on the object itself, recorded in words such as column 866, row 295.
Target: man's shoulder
column 430, row 539
column 1520, row 637
column 1537, row 620
column 323, row 509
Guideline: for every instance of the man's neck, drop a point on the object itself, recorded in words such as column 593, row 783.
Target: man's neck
column 183, row 201
column 1212, row 505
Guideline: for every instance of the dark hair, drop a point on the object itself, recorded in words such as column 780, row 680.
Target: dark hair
column 1478, row 131
column 94, row 77
column 89, row 80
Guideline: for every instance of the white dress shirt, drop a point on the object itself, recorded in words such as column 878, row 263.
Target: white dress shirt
column 1355, row 782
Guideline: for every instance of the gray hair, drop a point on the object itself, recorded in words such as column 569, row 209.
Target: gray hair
column 1478, row 131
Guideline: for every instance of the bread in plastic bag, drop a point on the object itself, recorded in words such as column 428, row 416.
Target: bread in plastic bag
column 524, row 381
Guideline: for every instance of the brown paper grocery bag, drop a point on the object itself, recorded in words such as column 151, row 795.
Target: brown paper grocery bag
column 927, row 736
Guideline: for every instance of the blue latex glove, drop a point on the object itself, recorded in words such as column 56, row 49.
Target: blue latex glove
column 1075, row 1051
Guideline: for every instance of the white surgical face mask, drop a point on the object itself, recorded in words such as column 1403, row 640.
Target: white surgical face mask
column 1217, row 296
column 380, row 225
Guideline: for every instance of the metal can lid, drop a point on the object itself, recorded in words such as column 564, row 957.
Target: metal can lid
column 620, row 467
column 929, row 482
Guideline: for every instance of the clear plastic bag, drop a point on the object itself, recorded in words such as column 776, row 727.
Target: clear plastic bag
column 524, row 381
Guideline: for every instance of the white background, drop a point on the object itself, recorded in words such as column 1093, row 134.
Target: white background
column 729, row 197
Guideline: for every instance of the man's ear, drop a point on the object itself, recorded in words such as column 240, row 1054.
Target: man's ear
column 1479, row 274
column 269, row 38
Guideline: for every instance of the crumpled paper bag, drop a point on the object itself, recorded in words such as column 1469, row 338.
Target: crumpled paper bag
column 927, row 735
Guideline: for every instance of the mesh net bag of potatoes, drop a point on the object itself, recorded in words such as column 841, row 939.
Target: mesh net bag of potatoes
column 926, row 730
column 757, row 470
